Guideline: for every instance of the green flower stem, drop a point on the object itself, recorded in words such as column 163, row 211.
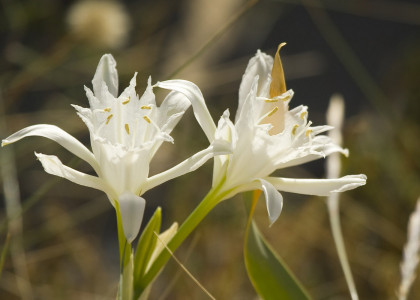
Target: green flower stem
column 124, row 246
column 213, row 197
column 125, row 288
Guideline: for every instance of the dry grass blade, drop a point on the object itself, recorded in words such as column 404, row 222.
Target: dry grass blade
column 411, row 254
column 215, row 37
column 184, row 268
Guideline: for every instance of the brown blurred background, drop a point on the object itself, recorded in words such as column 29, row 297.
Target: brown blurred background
column 368, row 51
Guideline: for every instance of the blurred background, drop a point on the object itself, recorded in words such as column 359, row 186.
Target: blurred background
column 64, row 243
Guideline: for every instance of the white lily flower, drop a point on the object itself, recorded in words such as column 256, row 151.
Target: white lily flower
column 267, row 136
column 125, row 133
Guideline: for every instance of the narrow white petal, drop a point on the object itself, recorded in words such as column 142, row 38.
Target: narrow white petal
column 171, row 110
column 52, row 165
column 247, row 117
column 225, row 131
column 188, row 165
column 106, row 72
column 132, row 211
column 170, row 113
column 318, row 187
column 273, row 199
column 58, row 135
column 260, row 65
column 194, row 95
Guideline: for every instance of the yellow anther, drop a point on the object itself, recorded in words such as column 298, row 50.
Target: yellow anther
column 308, row 132
column 126, row 101
column 273, row 111
column 109, row 118
column 147, row 119
column 294, row 129
column 108, row 109
column 146, row 107
column 127, row 128
column 302, row 115
column 271, row 100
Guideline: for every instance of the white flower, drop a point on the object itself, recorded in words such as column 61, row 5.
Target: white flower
column 267, row 136
column 125, row 133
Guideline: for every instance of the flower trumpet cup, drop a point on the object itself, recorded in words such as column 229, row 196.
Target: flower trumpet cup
column 125, row 132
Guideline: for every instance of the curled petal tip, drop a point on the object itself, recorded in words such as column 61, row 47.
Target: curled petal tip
column 273, row 199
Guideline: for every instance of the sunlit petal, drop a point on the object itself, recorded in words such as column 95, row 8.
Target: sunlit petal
column 194, row 95
column 106, row 73
column 188, row 165
column 52, row 165
column 260, row 65
column 273, row 199
column 59, row 136
column 318, row 187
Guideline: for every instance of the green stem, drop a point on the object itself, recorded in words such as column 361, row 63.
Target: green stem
column 125, row 252
column 125, row 288
column 206, row 205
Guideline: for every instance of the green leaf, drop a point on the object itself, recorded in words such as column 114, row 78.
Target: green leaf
column 268, row 273
column 144, row 250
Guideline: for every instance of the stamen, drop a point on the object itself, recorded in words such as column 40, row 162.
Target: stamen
column 146, row 107
column 147, row 119
column 108, row 118
column 294, row 129
column 126, row 101
column 303, row 114
column 273, row 111
column 308, row 132
column 263, row 119
column 108, row 109
column 271, row 100
column 127, row 128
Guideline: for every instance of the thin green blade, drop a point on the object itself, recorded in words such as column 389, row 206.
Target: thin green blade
column 144, row 249
column 268, row 273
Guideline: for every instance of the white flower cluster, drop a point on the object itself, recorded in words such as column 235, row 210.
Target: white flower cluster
column 127, row 130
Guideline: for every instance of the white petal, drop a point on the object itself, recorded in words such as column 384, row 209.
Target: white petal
column 225, row 131
column 170, row 113
column 194, row 95
column 246, row 117
column 106, row 72
column 52, row 165
column 318, row 187
column 260, row 65
column 273, row 199
column 188, row 165
column 58, row 135
column 132, row 211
